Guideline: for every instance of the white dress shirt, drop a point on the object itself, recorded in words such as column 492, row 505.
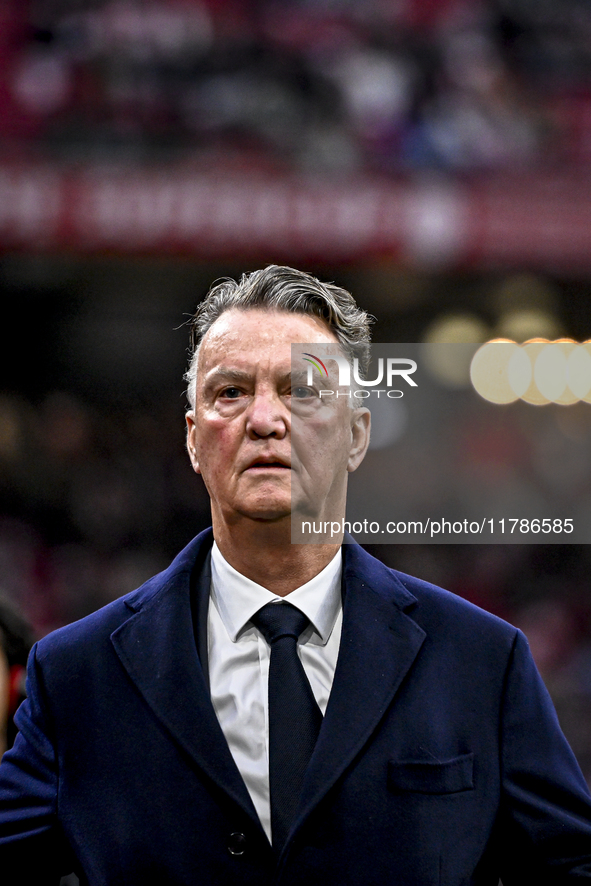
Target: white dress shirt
column 239, row 661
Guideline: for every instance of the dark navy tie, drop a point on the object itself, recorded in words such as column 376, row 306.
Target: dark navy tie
column 294, row 715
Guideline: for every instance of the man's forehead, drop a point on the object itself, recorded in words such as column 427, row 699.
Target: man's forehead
column 253, row 333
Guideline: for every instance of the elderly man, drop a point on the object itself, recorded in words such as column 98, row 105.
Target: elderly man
column 270, row 713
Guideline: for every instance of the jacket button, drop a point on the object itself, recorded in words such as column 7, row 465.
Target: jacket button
column 236, row 844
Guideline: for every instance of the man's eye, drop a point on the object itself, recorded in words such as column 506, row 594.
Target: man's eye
column 231, row 393
column 301, row 392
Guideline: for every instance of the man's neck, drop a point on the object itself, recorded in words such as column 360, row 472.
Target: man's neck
column 264, row 554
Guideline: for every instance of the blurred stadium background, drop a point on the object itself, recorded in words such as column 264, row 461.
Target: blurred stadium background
column 434, row 156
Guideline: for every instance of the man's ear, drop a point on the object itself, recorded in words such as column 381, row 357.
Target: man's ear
column 360, row 430
column 192, row 440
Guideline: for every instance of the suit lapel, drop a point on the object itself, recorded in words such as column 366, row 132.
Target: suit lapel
column 379, row 644
column 200, row 589
column 157, row 648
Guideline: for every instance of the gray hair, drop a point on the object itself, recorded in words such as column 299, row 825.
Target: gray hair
column 285, row 289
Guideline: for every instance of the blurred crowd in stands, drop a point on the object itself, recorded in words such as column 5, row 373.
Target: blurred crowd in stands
column 313, row 86
column 93, row 502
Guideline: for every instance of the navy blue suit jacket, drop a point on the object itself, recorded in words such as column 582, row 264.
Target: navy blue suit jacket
column 440, row 760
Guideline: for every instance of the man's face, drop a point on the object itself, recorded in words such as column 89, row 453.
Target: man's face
column 240, row 432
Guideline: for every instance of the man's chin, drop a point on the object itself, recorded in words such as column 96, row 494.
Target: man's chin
column 268, row 511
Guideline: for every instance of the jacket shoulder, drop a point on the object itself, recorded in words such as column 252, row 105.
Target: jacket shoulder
column 95, row 629
column 462, row 622
column 433, row 608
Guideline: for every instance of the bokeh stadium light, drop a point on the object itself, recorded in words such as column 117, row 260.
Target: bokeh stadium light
column 538, row 372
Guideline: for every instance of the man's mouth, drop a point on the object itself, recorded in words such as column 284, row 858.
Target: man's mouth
column 265, row 465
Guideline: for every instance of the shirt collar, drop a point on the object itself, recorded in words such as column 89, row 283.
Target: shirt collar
column 237, row 598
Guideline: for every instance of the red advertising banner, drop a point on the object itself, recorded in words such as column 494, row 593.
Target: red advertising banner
column 540, row 223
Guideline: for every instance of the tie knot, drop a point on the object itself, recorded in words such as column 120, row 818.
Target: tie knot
column 276, row 620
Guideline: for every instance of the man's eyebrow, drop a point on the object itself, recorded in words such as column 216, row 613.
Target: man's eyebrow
column 227, row 374
column 223, row 373
column 298, row 376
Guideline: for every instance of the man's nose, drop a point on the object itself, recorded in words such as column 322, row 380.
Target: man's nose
column 267, row 416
